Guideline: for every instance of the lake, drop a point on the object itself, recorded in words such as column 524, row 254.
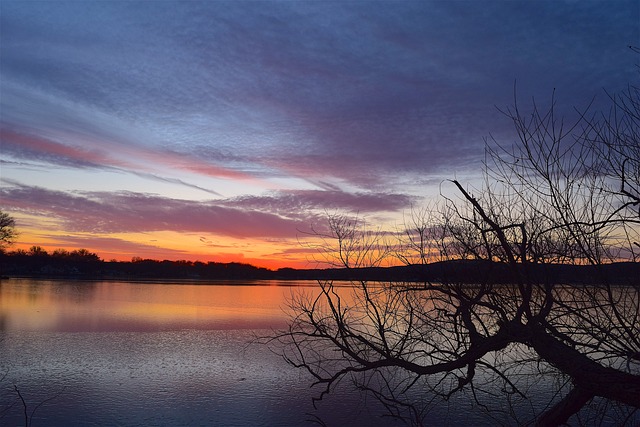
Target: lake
column 106, row 353
column 116, row 353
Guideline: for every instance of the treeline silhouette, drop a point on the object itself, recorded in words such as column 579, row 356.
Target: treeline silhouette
column 83, row 264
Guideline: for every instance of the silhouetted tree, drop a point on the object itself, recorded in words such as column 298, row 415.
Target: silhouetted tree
column 421, row 236
column 7, row 230
column 555, row 351
column 347, row 241
column 83, row 255
column 37, row 251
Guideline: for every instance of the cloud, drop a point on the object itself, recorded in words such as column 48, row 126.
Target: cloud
column 126, row 212
column 37, row 148
column 332, row 90
column 175, row 181
column 111, row 155
column 279, row 215
column 303, row 201
column 133, row 212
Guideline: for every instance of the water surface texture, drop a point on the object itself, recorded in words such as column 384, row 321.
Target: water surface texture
column 110, row 353
column 156, row 354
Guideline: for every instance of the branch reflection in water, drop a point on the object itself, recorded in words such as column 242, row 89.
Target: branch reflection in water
column 518, row 354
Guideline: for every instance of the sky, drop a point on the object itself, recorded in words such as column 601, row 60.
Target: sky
column 227, row 130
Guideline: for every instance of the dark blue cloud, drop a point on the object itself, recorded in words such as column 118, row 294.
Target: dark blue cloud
column 359, row 92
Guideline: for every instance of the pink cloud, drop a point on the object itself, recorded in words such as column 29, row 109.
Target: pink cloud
column 138, row 159
column 134, row 212
column 40, row 148
column 192, row 163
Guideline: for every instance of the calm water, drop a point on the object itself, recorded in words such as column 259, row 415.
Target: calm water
column 162, row 354
column 158, row 354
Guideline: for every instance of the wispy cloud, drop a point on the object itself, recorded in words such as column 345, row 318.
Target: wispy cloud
column 276, row 215
column 131, row 212
column 348, row 91
column 304, row 201
column 37, row 148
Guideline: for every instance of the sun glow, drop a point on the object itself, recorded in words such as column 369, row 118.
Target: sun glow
column 162, row 245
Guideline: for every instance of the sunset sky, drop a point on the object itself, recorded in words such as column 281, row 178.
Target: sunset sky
column 222, row 131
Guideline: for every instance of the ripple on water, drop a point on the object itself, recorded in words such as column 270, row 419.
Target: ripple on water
column 189, row 377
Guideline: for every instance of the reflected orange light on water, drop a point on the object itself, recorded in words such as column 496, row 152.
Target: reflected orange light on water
column 122, row 306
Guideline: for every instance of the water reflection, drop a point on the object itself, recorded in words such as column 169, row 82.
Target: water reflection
column 138, row 354
column 26, row 305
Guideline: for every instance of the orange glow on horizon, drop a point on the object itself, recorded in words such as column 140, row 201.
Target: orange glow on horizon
column 161, row 255
column 270, row 253
column 170, row 246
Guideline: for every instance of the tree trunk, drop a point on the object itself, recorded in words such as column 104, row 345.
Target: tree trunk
column 560, row 413
column 588, row 376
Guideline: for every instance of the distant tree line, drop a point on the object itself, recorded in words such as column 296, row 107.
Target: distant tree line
column 37, row 262
column 81, row 263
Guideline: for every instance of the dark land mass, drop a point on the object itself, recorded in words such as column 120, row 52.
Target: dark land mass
column 87, row 265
